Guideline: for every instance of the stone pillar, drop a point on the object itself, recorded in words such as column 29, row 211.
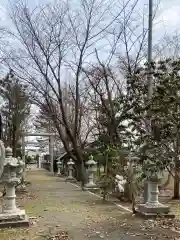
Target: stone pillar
column 59, row 166
column 51, row 153
column 70, row 171
column 91, row 170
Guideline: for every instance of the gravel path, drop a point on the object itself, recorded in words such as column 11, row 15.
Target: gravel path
column 55, row 205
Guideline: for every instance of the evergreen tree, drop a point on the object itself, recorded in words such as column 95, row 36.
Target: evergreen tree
column 15, row 110
column 159, row 145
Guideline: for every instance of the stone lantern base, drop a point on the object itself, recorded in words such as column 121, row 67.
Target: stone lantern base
column 153, row 208
column 59, row 175
column 71, row 179
column 91, row 187
column 16, row 218
column 153, row 212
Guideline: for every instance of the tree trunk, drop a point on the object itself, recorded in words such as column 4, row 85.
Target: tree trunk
column 176, row 183
column 0, row 127
column 104, row 195
column 78, row 171
column 127, row 192
column 14, row 141
column 83, row 175
column 98, row 170
column 133, row 204
column 176, row 169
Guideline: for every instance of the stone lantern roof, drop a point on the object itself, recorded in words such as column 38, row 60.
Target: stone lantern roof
column 9, row 152
column 70, row 162
column 91, row 161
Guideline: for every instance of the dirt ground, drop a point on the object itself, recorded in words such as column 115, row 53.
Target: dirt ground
column 54, row 205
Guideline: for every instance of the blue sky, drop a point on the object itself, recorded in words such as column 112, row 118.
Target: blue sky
column 167, row 20
column 166, row 23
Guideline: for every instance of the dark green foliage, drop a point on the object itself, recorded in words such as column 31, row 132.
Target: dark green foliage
column 157, row 121
column 15, row 110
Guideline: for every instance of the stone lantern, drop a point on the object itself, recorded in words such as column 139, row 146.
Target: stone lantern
column 70, row 177
column 12, row 173
column 153, row 207
column 91, row 170
column 59, row 166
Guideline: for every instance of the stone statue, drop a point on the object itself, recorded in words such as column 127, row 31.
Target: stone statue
column 119, row 183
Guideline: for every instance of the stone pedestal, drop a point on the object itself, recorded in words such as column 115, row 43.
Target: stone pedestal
column 11, row 216
column 70, row 177
column 59, row 166
column 153, row 207
column 91, row 170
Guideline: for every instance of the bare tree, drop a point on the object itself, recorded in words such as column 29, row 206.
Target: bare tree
column 168, row 47
column 133, row 39
column 58, row 37
column 53, row 38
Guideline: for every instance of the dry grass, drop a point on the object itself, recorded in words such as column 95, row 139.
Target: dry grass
column 37, row 206
column 34, row 208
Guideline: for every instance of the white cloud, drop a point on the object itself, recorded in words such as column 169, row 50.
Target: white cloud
column 2, row 13
column 169, row 18
column 5, row 21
